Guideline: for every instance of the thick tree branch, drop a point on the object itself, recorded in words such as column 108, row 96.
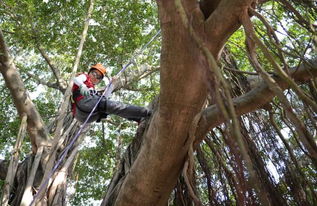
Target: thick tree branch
column 227, row 111
column 223, row 22
column 22, row 101
column 254, row 99
column 172, row 118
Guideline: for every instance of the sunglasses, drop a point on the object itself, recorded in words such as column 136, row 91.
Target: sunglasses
column 96, row 75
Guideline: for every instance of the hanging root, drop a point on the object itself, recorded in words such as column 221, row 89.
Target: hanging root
column 189, row 164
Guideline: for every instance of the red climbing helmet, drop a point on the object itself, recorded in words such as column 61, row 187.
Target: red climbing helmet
column 100, row 68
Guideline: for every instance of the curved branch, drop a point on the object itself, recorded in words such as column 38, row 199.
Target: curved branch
column 253, row 100
column 48, row 84
column 223, row 22
column 54, row 69
column 23, row 103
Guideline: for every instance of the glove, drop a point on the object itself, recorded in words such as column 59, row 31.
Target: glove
column 92, row 92
column 84, row 90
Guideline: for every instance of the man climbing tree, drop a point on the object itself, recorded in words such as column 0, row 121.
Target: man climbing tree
column 85, row 98
column 235, row 120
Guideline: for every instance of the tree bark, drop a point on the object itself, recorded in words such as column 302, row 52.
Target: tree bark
column 22, row 101
column 180, row 101
column 13, row 164
column 4, row 164
column 174, row 113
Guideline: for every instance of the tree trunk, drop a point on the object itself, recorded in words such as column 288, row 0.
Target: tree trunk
column 125, row 164
column 180, row 101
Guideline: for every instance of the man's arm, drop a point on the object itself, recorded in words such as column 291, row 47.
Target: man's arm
column 80, row 79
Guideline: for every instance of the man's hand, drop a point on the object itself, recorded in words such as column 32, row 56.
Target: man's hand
column 92, row 91
column 84, row 90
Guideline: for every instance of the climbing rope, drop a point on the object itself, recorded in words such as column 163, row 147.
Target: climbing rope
column 106, row 93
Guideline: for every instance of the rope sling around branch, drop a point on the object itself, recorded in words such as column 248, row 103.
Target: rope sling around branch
column 106, row 93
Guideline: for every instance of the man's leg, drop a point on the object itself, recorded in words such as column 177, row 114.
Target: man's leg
column 127, row 111
column 84, row 107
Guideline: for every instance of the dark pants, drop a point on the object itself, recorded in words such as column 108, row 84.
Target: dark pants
column 105, row 107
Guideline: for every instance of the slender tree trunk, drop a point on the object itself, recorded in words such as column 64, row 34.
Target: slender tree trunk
column 237, row 165
column 13, row 164
column 204, row 165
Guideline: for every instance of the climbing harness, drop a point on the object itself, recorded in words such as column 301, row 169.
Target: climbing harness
column 106, row 93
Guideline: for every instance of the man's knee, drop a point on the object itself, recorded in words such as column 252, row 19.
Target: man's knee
column 102, row 106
